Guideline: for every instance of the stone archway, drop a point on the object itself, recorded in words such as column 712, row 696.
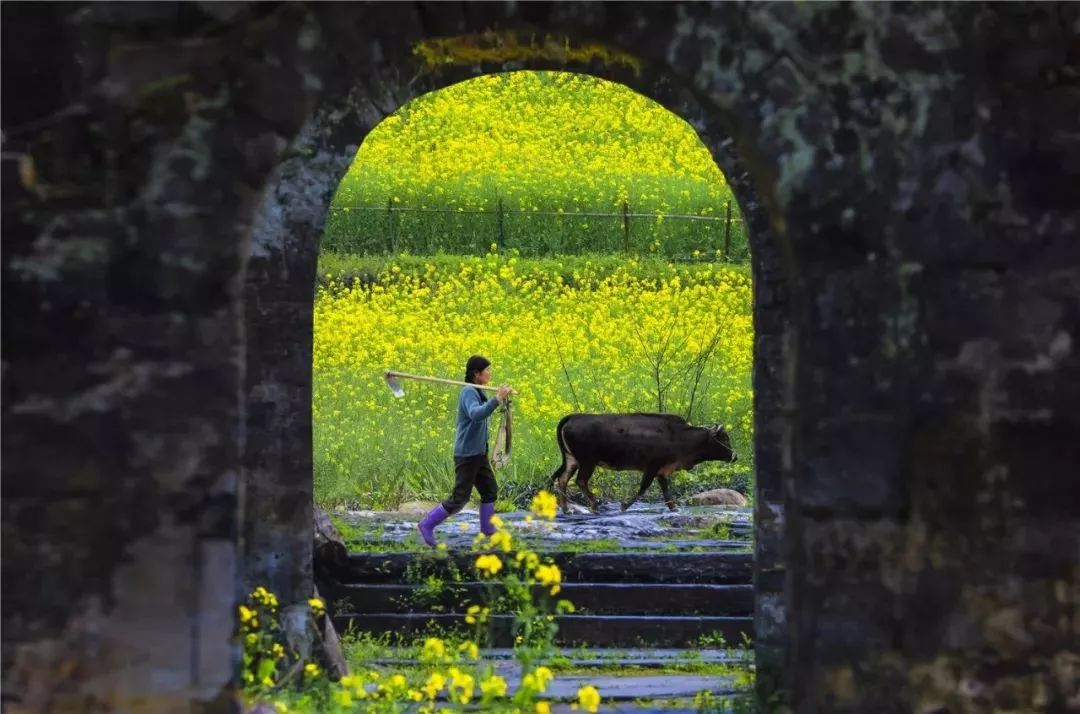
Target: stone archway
column 916, row 162
column 280, row 294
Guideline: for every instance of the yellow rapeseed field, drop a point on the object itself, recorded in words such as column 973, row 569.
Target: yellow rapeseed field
column 570, row 335
column 538, row 140
column 532, row 142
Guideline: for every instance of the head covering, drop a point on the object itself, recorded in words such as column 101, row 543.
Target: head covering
column 476, row 364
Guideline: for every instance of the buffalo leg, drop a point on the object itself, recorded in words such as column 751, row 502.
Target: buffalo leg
column 562, row 485
column 646, row 481
column 583, row 483
column 555, row 474
column 668, row 500
column 564, row 488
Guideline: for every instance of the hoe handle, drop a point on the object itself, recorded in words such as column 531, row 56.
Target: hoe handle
column 440, row 380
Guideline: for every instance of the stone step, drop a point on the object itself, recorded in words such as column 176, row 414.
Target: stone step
column 632, row 688
column 649, row 658
column 717, row 567
column 588, row 598
column 661, row 692
column 589, row 630
column 464, row 541
column 723, row 703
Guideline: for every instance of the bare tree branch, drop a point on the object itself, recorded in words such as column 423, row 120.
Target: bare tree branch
column 699, row 364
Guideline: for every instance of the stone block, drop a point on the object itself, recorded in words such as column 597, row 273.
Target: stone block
column 853, row 465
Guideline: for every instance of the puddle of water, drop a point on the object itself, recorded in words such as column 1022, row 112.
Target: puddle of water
column 645, row 526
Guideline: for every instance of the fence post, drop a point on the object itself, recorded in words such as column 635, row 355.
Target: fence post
column 626, row 226
column 499, row 223
column 390, row 224
column 727, row 232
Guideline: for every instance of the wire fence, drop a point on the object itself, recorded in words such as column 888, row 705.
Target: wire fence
column 391, row 229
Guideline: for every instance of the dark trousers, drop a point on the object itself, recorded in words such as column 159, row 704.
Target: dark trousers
column 471, row 471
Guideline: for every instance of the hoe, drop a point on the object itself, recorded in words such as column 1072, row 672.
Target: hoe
column 502, row 437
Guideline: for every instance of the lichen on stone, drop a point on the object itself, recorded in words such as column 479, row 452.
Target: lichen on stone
column 502, row 47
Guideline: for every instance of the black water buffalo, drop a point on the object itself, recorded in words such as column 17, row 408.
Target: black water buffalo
column 655, row 444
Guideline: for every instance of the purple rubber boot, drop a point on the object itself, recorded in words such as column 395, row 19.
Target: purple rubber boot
column 432, row 519
column 487, row 510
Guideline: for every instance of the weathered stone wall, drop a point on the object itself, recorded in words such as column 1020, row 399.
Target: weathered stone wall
column 909, row 173
column 137, row 140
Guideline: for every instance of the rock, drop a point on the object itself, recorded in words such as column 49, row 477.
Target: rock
column 719, row 497
column 416, row 508
column 330, row 551
column 260, row 708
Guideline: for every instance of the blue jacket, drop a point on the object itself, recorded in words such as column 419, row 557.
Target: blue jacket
column 472, row 423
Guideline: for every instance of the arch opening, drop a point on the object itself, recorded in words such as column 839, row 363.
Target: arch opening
column 287, row 238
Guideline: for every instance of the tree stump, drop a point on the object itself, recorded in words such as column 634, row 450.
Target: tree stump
column 330, row 558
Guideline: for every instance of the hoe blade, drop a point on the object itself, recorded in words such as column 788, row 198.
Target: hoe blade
column 395, row 386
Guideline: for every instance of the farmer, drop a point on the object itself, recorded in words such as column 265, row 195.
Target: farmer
column 471, row 464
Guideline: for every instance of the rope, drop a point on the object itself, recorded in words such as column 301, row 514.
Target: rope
column 503, row 437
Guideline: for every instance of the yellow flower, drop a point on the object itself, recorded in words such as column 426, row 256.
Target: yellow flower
column 435, row 683
column 311, row 669
column 496, row 522
column 543, row 708
column 589, row 699
column 461, row 686
column 489, row 564
column 343, row 697
column 544, row 675
column 493, row 685
column 471, row 613
column 318, row 607
column 501, row 540
column 434, row 649
column 280, row 707
column 548, row 575
column 544, row 505
column 537, row 680
column 278, row 651
column 246, row 614
column 264, row 597
column 531, row 559
column 469, row 649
